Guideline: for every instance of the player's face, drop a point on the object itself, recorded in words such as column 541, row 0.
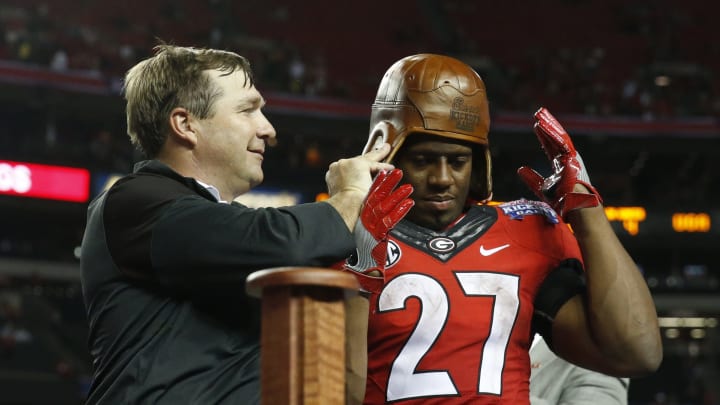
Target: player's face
column 232, row 141
column 439, row 170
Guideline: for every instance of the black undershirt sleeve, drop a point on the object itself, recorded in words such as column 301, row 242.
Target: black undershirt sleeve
column 563, row 283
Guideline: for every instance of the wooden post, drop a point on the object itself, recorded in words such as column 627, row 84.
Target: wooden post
column 303, row 333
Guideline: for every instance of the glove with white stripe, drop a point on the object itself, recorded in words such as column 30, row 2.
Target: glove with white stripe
column 569, row 170
column 382, row 210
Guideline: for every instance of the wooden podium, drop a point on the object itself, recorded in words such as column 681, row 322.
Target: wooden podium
column 303, row 333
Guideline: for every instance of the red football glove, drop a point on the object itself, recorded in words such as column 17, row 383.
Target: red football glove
column 382, row 210
column 557, row 189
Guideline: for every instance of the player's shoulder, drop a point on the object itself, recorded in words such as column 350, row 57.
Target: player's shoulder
column 532, row 223
column 536, row 227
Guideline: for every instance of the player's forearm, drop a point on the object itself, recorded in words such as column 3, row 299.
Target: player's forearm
column 621, row 310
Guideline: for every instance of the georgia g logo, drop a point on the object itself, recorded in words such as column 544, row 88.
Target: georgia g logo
column 393, row 254
column 441, row 244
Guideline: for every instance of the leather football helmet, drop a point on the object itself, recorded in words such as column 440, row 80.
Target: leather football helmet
column 436, row 95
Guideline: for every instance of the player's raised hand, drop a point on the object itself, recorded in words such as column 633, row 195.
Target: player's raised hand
column 384, row 206
column 558, row 189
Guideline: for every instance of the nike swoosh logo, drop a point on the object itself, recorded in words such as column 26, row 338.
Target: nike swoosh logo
column 488, row 252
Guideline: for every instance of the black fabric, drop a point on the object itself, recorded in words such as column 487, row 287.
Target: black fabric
column 563, row 283
column 163, row 267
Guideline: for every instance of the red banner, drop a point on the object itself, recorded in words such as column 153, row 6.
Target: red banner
column 43, row 181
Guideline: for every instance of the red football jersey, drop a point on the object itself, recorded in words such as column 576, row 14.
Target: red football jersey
column 452, row 325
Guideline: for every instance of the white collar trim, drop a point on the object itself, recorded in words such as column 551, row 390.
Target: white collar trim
column 212, row 190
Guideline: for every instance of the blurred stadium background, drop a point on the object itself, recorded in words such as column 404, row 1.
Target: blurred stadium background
column 635, row 82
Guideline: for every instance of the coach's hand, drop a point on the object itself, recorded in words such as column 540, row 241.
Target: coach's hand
column 568, row 188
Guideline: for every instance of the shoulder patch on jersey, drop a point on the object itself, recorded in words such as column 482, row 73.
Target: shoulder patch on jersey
column 393, row 254
column 519, row 208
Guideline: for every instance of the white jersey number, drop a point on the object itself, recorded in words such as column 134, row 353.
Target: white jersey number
column 404, row 382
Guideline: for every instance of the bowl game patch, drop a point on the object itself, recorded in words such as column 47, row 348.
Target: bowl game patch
column 519, row 208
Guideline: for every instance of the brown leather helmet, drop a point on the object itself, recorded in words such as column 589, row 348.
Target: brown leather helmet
column 436, row 95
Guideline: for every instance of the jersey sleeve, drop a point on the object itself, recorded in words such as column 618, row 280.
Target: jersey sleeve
column 563, row 283
column 537, row 227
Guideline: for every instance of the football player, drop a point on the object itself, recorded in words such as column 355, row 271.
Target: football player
column 466, row 284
